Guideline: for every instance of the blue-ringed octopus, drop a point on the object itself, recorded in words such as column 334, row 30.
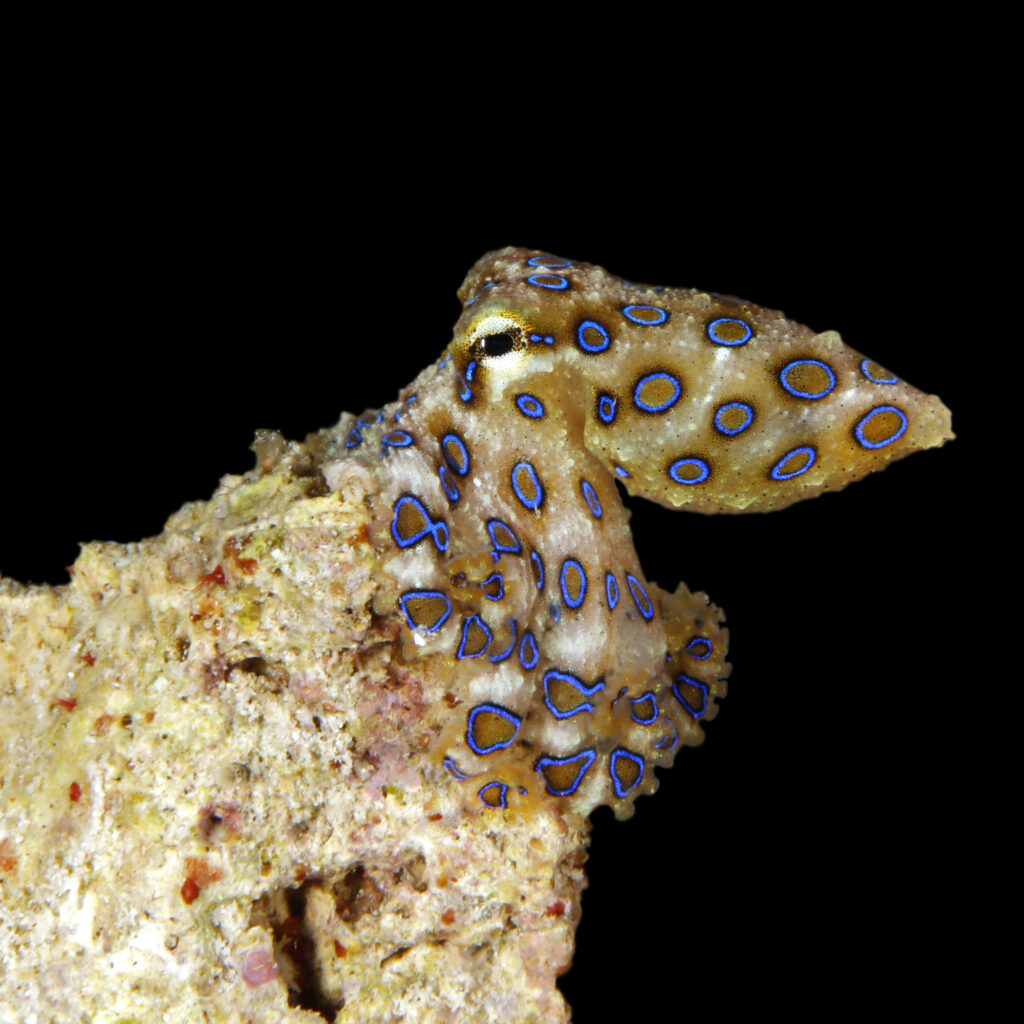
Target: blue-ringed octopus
column 504, row 544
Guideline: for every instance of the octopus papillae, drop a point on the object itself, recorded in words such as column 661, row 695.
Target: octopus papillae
column 505, row 544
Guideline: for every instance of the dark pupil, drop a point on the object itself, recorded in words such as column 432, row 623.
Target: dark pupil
column 497, row 344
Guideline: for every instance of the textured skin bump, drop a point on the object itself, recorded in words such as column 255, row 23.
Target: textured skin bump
column 504, row 545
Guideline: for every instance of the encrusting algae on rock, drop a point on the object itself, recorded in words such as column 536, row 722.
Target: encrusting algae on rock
column 252, row 767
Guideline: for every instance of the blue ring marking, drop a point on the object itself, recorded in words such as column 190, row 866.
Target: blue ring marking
column 777, row 473
column 664, row 405
column 815, row 395
column 470, row 370
column 556, row 612
column 606, row 407
column 620, row 752
column 528, row 653
column 461, row 653
column 605, row 341
column 567, row 677
column 590, row 496
column 368, row 419
column 858, row 430
column 538, row 499
column 354, row 439
column 440, row 531
column 695, row 712
column 480, row 292
column 660, row 745
column 733, row 405
column 566, row 565
column 538, row 261
column 561, row 285
column 396, row 439
column 454, row 769
column 640, row 719
column 448, row 483
column 627, row 313
column 496, row 658
column 497, row 709
column 711, row 331
column 502, row 799
column 408, row 401
column 501, row 586
column 704, row 471
column 588, row 756
column 876, row 380
column 511, row 544
column 636, row 588
column 622, row 472
column 611, row 590
column 408, row 499
column 462, row 451
column 545, row 338
column 409, row 594
column 530, row 405
column 446, row 358
column 462, row 387
column 539, row 562
column 702, row 642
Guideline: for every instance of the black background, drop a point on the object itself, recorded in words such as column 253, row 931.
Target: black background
column 191, row 268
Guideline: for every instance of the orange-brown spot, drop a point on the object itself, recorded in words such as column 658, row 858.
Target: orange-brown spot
column 732, row 419
column 795, row 463
column 564, row 695
column 693, row 695
column 448, row 917
column 491, row 729
column 74, row 792
column 561, row 776
column 574, row 583
column 628, row 771
column 881, row 427
column 730, row 331
column 527, row 484
column 657, row 392
column 476, row 639
column 339, row 949
column 67, row 703
column 556, row 909
column 808, row 378
column 426, row 610
column 410, row 521
column 455, row 456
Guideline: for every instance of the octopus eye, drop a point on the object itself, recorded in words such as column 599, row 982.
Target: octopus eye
column 497, row 344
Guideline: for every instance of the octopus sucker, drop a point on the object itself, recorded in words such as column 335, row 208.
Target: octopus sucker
column 505, row 551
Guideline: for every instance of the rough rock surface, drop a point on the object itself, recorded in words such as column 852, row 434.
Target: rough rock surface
column 213, row 805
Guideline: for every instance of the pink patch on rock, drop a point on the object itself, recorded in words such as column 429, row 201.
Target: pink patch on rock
column 258, row 968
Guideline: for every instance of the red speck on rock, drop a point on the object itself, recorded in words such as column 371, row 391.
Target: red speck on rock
column 75, row 792
column 217, row 576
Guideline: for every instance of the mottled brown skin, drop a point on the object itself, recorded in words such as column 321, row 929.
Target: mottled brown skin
column 561, row 379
